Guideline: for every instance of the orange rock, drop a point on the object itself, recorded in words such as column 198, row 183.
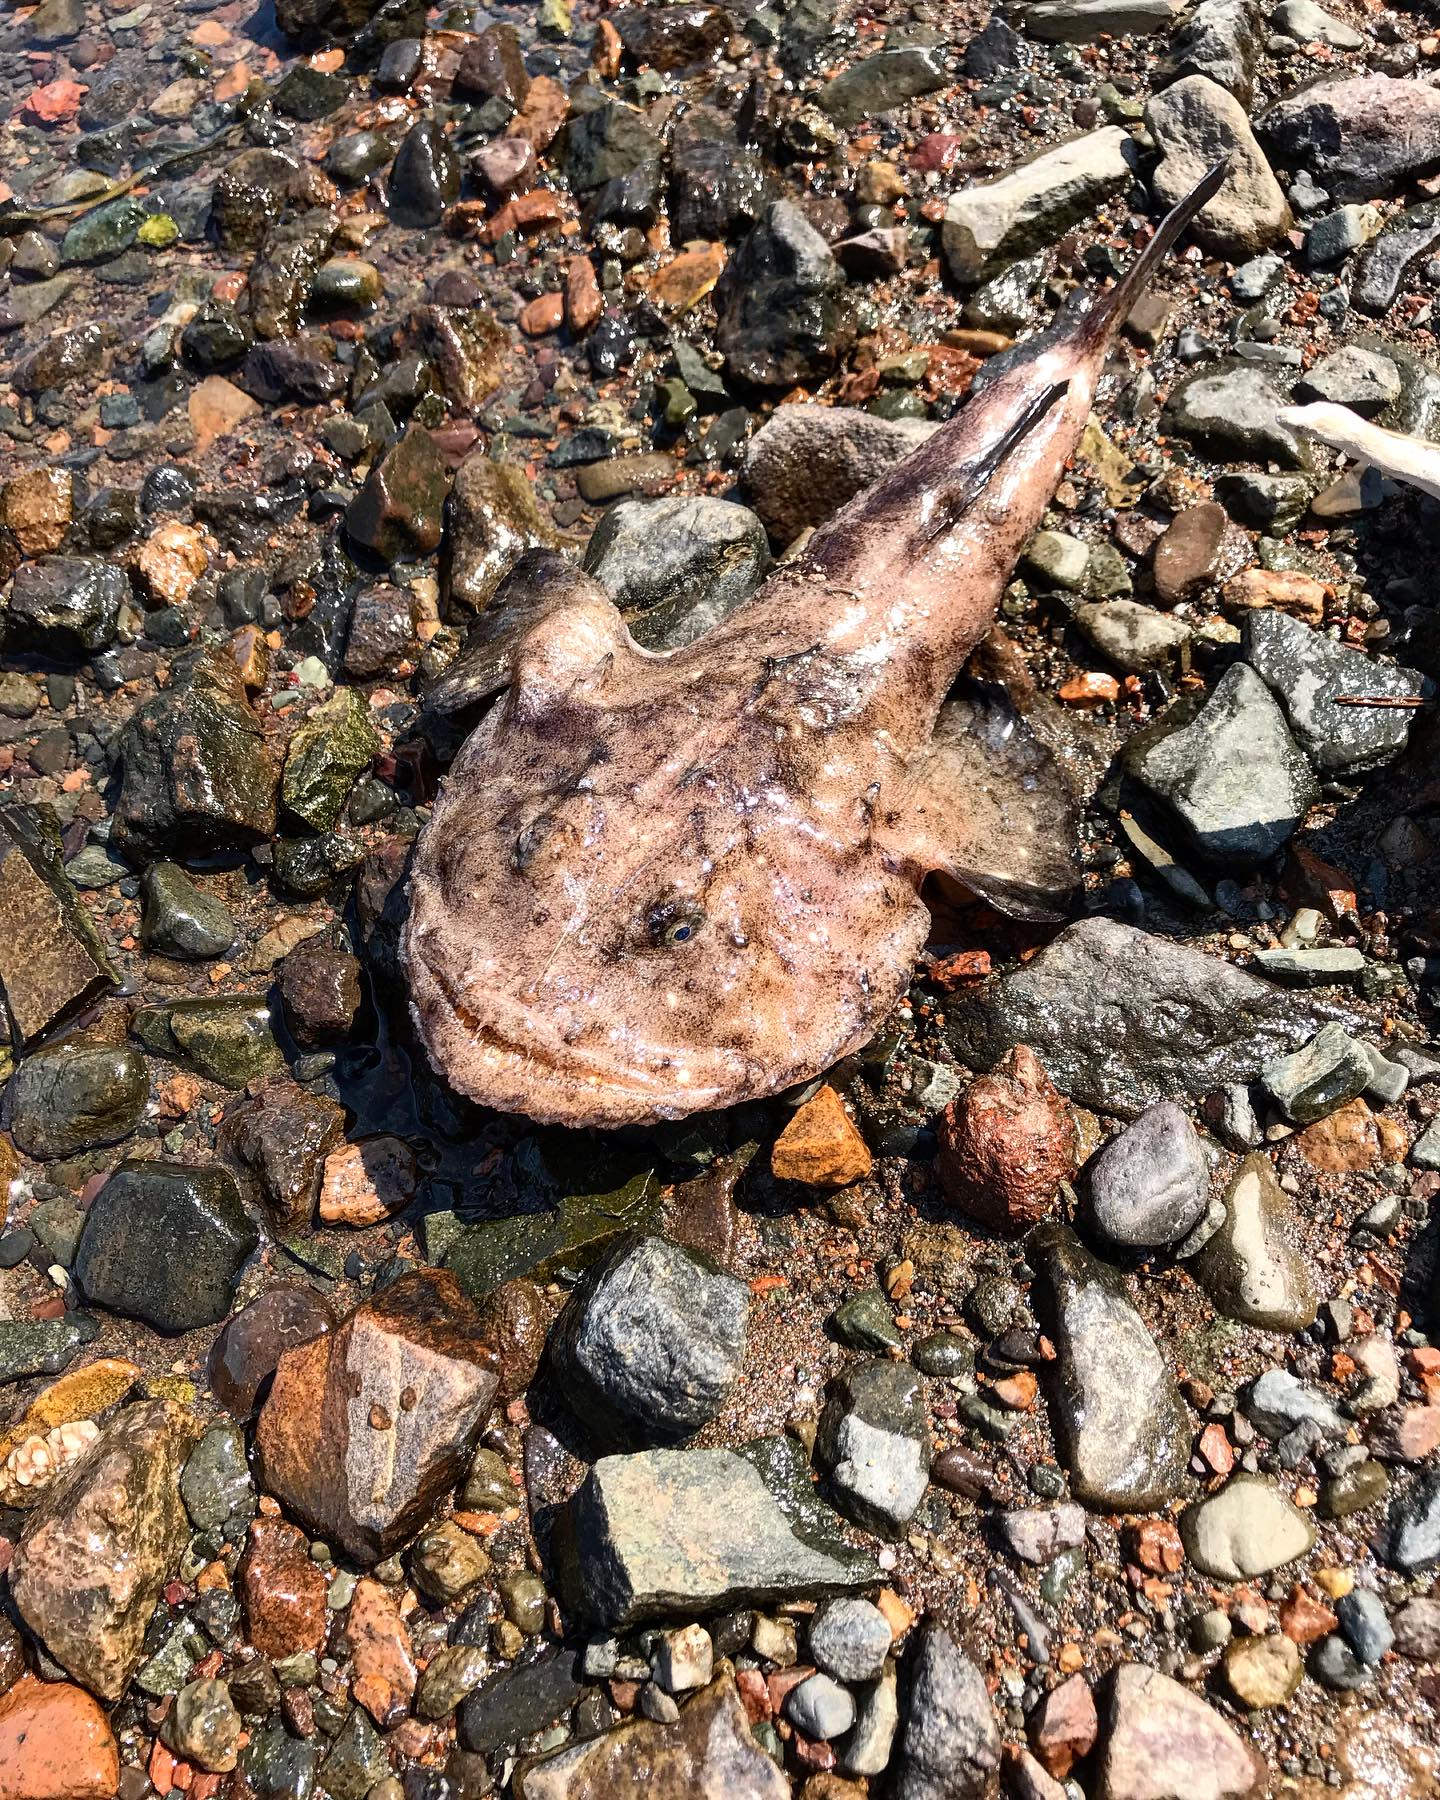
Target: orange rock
column 1155, row 1544
column 366, row 1182
column 170, row 562
column 175, row 1097
column 1091, row 689
column 543, row 314
column 1311, row 881
column 820, row 1146
column 56, row 103
column 252, row 656
column 959, row 970
column 383, row 1665
column 1408, row 1432
column 1215, row 1450
column 1016, row 1391
column 583, row 304
column 1283, row 590
column 1006, row 1144
column 55, row 1744
column 687, row 278
column 1394, row 1142
column 1305, row 1620
column 216, row 407
column 36, row 507
column 1344, row 1142
column 525, row 215
column 542, row 115
column 899, row 1614
column 605, row 51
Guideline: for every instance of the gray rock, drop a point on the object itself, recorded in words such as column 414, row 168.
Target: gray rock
column 1132, row 636
column 1307, row 671
column 850, row 1639
column 165, row 1243
column 1278, row 1401
column 68, row 606
column 1122, row 1431
column 1400, row 244
column 1122, row 1019
column 1232, row 406
column 215, row 1483
column 1362, row 136
column 1273, row 503
column 1250, row 1268
column 1425, row 1151
column 1310, row 24
column 676, row 567
column 1082, row 21
column 1351, row 376
column 1057, row 560
column 874, row 1443
column 778, row 316
column 76, row 1096
column 820, row 1708
column 880, row 83
column 1335, row 235
column 1038, row 1534
column 357, row 1759
column 518, row 1701
column 1310, row 1083
column 1324, row 966
column 997, row 222
column 1195, row 122
column 877, row 1717
column 1149, row 1186
column 950, row 1744
column 1245, row 1530
column 1388, row 1080
column 42, row 1346
column 1365, row 1623
column 1232, row 779
column 1253, row 280
column 180, row 919
column 651, row 1343
column 1335, row 1665
column 204, row 1725
column 672, row 1534
column 805, row 462
column 1414, row 1526
column 1221, row 39
column 1416, row 1626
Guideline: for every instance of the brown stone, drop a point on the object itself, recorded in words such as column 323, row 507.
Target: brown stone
column 216, row 408
column 505, row 166
column 1305, row 1620
column 282, row 1136
column 1006, row 1144
column 55, row 1744
column 1344, row 1142
column 1064, row 1726
column 1311, row 881
column 400, row 509
column 494, row 519
column 383, row 1671
column 515, row 1320
column 281, row 1590
column 1027, row 1779
column 1407, row 1433
column 52, row 962
column 583, row 302
column 1285, row 590
column 1155, row 1544
column 170, row 561
column 245, row 1354
column 542, row 115
column 821, row 1146
column 468, row 347
column 367, row 1426
column 545, row 313
column 1187, row 553
column 36, row 508
column 367, row 1182
column 686, row 279
column 320, row 992
column 98, row 1548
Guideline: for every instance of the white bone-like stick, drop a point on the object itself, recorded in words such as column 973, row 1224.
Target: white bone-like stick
column 1411, row 459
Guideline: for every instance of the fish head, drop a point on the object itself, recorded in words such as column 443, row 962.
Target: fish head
column 621, row 913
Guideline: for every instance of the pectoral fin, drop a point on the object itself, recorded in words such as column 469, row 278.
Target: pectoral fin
column 988, row 806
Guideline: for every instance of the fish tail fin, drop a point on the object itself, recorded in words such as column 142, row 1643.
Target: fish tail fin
column 1113, row 307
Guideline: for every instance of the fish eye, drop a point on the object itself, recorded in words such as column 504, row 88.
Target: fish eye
column 673, row 924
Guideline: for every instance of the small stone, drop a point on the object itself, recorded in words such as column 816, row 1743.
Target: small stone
column 1006, row 1144
column 400, row 509
column 874, row 1442
column 683, row 1660
column 1250, row 1268
column 821, row 1146
column 425, row 177
column 245, row 1354
column 165, row 1243
column 651, row 1343
column 96, row 1550
column 282, row 1591
column 494, row 519
column 204, row 1727
column 949, row 1745
column 52, row 962
column 1150, row 1185
column 1154, row 1723
column 1195, row 122
column 215, row 1483
column 320, row 992
column 1263, row 1671
column 383, row 1666
column 1064, row 1726
column 1233, row 407
column 181, row 920
column 281, row 1134
column 357, row 1760
column 76, row 1096
column 55, row 1741
column 36, row 507
column 1247, row 1529
column 1361, row 136
column 777, row 301
column 1330, row 1071
column 820, row 1708
column 677, row 567
column 325, row 757
column 850, row 1639
column 806, row 461
column 1039, row 1534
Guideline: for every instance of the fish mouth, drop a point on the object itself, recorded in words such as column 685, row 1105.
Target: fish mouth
column 506, row 1064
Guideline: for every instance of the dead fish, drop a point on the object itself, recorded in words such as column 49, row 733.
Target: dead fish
column 1410, row 459
column 658, row 883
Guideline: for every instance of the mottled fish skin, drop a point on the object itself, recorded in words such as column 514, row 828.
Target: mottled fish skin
column 655, row 884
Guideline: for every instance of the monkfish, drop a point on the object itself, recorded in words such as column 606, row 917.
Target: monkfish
column 658, row 883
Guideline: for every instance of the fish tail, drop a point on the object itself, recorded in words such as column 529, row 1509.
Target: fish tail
column 1112, row 308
